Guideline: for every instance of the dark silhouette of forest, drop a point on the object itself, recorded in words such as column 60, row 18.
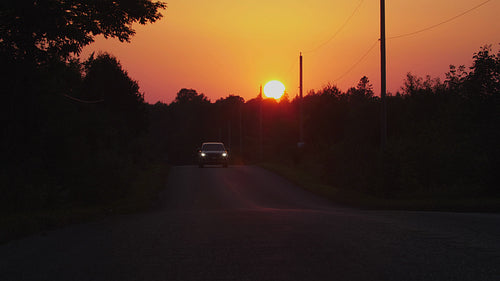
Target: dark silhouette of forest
column 442, row 136
column 78, row 132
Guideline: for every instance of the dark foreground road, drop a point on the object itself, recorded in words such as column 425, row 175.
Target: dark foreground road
column 244, row 223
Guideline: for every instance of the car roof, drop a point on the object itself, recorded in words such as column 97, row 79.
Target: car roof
column 212, row 143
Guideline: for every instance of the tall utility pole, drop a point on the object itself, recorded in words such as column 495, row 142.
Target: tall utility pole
column 301, row 106
column 383, row 114
column 241, row 130
column 261, row 154
column 229, row 133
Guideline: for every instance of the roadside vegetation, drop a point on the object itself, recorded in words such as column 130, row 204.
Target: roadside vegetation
column 80, row 142
column 363, row 200
column 442, row 150
column 75, row 142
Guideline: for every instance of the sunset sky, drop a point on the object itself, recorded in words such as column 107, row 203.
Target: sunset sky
column 223, row 47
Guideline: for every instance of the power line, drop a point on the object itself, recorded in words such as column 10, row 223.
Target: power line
column 441, row 23
column 358, row 61
column 393, row 37
column 338, row 30
column 409, row 34
column 83, row 101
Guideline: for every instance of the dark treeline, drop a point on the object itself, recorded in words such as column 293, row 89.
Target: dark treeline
column 73, row 132
column 443, row 136
column 78, row 132
column 192, row 119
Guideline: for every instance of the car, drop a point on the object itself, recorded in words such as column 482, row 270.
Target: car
column 213, row 153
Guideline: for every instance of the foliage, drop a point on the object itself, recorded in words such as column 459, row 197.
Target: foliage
column 75, row 132
column 484, row 77
column 443, row 136
column 43, row 31
column 59, row 149
column 82, row 133
column 106, row 81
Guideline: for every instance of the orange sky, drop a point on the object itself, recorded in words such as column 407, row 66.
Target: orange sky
column 223, row 47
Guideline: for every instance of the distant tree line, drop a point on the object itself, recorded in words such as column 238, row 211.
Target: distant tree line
column 443, row 136
column 78, row 131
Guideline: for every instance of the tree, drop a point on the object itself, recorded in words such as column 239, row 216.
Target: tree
column 484, row 78
column 362, row 92
column 364, row 87
column 285, row 98
column 191, row 123
column 331, row 90
column 190, row 96
column 106, row 80
column 455, row 77
column 412, row 84
column 56, row 29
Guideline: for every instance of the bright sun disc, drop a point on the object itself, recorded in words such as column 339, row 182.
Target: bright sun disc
column 274, row 89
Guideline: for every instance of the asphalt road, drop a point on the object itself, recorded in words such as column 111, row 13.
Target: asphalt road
column 244, row 223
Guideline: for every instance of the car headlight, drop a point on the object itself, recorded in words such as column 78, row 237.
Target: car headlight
column 203, row 154
column 224, row 154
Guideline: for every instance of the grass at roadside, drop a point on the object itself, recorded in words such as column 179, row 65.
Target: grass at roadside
column 361, row 200
column 143, row 194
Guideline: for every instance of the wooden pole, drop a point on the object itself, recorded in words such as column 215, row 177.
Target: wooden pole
column 301, row 105
column 241, row 130
column 261, row 153
column 383, row 77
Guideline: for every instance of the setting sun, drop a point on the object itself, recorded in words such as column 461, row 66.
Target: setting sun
column 274, row 89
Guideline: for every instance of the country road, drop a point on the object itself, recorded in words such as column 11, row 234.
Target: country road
column 245, row 223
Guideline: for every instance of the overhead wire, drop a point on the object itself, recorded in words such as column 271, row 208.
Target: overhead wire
column 338, row 30
column 441, row 23
column 392, row 37
column 410, row 34
column 294, row 64
column 359, row 60
column 83, row 101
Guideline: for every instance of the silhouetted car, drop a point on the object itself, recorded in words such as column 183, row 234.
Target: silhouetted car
column 213, row 153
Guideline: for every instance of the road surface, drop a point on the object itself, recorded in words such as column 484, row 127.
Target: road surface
column 245, row 223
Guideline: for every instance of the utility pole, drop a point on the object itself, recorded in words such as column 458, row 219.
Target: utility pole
column 383, row 77
column 241, row 130
column 229, row 133
column 301, row 105
column 261, row 154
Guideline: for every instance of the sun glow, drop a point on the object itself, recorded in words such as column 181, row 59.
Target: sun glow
column 274, row 89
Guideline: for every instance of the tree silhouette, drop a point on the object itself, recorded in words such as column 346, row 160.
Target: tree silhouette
column 364, row 87
column 484, row 77
column 56, row 29
column 56, row 147
column 191, row 124
column 106, row 80
column 455, row 78
column 190, row 96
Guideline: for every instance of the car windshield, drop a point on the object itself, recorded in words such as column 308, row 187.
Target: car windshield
column 212, row 147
